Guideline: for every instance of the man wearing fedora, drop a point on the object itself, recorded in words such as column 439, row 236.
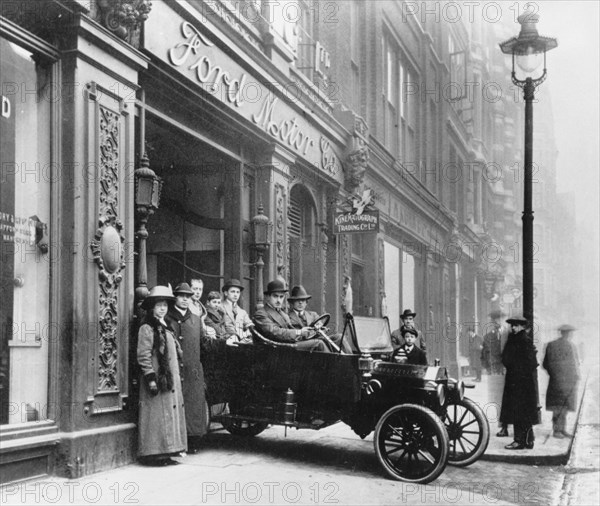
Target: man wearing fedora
column 188, row 328
column 273, row 322
column 520, row 395
column 299, row 315
column 237, row 322
column 408, row 321
column 562, row 364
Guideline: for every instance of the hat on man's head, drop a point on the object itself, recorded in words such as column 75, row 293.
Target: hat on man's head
column 496, row 313
column 298, row 293
column 518, row 320
column 183, row 288
column 277, row 285
column 157, row 294
column 407, row 312
column 409, row 330
column 566, row 328
column 233, row 283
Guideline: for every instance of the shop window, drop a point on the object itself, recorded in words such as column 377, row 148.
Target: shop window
column 26, row 172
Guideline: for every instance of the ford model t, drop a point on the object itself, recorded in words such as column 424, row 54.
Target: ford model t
column 421, row 419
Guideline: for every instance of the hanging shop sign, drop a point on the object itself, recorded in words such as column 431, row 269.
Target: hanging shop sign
column 351, row 223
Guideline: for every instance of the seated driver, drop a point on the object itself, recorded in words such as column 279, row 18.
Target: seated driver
column 299, row 315
column 274, row 323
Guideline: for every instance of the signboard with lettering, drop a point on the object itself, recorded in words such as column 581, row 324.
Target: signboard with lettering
column 350, row 223
column 273, row 107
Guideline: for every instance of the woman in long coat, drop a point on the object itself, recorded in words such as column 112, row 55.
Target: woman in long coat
column 562, row 363
column 161, row 426
column 188, row 328
column 520, row 396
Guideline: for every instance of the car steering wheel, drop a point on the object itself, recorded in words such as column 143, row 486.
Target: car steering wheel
column 321, row 321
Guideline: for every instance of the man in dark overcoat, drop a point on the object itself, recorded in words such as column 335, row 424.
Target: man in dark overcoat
column 188, row 328
column 562, row 363
column 520, row 396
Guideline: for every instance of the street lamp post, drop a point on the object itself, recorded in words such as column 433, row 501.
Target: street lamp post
column 147, row 196
column 526, row 51
column 261, row 228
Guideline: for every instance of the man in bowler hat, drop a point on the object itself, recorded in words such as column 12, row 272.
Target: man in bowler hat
column 274, row 323
column 562, row 363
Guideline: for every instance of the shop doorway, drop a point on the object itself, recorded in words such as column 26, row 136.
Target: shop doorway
column 190, row 235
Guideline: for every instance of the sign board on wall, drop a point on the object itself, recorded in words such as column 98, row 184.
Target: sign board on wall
column 350, row 223
column 190, row 49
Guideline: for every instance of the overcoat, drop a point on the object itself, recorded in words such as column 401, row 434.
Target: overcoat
column 520, row 396
column 189, row 333
column 275, row 325
column 215, row 319
column 297, row 323
column 161, row 427
column 562, row 363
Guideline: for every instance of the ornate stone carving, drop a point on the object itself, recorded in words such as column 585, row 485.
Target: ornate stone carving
column 107, row 248
column 281, row 258
column 124, row 17
column 355, row 166
column 381, row 276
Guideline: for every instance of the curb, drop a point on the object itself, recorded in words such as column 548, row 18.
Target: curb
column 558, row 459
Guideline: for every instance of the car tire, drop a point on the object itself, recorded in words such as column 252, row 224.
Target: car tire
column 468, row 430
column 411, row 443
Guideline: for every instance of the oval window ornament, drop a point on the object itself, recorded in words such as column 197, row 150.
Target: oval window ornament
column 110, row 249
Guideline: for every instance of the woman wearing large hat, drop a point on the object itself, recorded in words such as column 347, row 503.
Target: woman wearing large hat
column 161, row 427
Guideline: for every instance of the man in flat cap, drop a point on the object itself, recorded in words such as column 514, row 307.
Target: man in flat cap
column 520, row 396
column 562, row 363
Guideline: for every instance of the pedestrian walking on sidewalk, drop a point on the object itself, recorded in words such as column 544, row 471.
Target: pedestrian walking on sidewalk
column 161, row 426
column 520, row 396
column 562, row 363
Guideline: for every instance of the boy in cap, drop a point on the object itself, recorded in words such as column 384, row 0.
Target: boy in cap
column 215, row 317
column 409, row 352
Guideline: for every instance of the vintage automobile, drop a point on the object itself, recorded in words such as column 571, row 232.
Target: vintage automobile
column 421, row 419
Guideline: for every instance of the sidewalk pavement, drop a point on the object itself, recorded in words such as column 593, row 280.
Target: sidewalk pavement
column 547, row 450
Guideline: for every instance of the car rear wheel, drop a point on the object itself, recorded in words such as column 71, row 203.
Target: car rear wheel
column 411, row 443
column 243, row 427
column 468, row 431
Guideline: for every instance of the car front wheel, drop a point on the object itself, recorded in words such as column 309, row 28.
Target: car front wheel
column 411, row 443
